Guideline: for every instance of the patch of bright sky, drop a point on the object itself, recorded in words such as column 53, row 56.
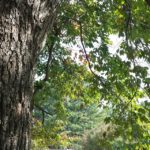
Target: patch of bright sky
column 75, row 49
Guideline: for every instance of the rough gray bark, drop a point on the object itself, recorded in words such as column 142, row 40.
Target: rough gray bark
column 23, row 28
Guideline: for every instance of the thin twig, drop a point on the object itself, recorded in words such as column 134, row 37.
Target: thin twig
column 87, row 58
column 50, row 49
column 42, row 109
column 128, row 19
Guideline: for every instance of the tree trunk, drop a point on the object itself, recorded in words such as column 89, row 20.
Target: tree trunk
column 23, row 28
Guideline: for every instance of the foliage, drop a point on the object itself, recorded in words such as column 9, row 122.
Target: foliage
column 79, row 67
column 122, row 133
column 100, row 137
column 62, row 97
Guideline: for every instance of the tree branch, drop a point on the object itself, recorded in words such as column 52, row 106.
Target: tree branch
column 86, row 56
column 128, row 19
column 43, row 112
column 50, row 49
column 42, row 109
column 56, row 33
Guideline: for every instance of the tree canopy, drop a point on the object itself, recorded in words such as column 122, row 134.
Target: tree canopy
column 77, row 71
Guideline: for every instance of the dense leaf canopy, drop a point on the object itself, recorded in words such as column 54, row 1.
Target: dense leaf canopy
column 78, row 69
